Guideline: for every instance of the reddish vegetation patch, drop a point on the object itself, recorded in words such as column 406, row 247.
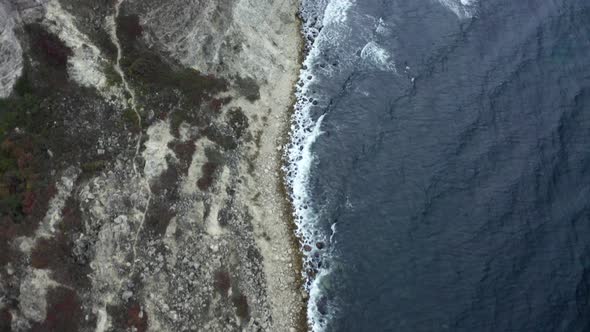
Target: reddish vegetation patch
column 52, row 253
column 28, row 204
column 128, row 27
column 43, row 254
column 64, row 313
column 7, row 233
column 205, row 182
column 222, row 281
column 5, row 320
column 160, row 211
column 71, row 216
column 22, row 193
column 217, row 103
column 48, row 46
column 137, row 318
column 184, row 152
column 36, row 205
column 57, row 254
column 128, row 316
column 10, row 229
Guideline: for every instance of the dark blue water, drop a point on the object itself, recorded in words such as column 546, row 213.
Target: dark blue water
column 454, row 166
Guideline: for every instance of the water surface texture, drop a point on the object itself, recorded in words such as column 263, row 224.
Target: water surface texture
column 444, row 159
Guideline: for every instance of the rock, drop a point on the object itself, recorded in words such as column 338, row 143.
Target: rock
column 127, row 295
column 120, row 219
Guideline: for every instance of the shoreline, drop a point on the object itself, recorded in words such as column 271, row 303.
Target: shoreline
column 288, row 207
column 211, row 240
column 266, row 188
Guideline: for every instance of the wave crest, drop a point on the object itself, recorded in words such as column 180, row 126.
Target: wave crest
column 461, row 8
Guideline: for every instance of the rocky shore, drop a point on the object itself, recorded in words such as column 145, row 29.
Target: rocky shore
column 140, row 151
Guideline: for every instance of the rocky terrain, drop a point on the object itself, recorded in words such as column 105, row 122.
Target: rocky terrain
column 140, row 146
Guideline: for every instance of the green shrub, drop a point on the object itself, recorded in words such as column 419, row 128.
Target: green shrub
column 93, row 166
column 113, row 78
column 131, row 118
column 23, row 85
column 18, row 112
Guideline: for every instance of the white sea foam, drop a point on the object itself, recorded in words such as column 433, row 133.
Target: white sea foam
column 377, row 56
column 333, row 228
column 327, row 28
column 325, row 25
column 461, row 8
column 382, row 28
column 336, row 12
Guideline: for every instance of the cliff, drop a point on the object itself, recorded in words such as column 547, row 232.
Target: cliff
column 140, row 147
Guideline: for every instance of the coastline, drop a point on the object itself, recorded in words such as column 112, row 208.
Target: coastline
column 265, row 189
column 302, row 323
column 210, row 241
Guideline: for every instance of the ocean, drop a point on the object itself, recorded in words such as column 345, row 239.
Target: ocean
column 439, row 165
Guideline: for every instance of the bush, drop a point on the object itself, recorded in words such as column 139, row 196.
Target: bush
column 131, row 118
column 113, row 78
column 23, row 85
column 18, row 112
column 93, row 166
column 241, row 303
column 222, row 282
column 249, row 88
column 238, row 121
column 48, row 47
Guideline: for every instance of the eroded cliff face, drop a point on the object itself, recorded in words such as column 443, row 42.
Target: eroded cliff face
column 140, row 144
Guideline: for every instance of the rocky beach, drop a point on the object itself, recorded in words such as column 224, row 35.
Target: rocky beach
column 141, row 185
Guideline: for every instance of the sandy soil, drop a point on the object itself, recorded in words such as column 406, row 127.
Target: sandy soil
column 263, row 190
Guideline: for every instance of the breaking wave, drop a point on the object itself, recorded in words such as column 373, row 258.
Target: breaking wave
column 323, row 22
column 376, row 56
